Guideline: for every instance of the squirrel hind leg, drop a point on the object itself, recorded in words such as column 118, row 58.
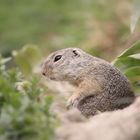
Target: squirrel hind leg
column 94, row 104
column 101, row 102
column 123, row 102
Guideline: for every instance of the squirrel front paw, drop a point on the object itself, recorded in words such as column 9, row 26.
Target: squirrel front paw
column 72, row 101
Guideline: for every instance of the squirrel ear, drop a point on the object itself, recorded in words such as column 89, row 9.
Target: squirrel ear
column 76, row 53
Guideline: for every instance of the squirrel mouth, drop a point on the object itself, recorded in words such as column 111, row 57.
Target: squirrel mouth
column 49, row 78
column 52, row 78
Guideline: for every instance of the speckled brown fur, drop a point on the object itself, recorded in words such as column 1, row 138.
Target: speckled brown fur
column 99, row 86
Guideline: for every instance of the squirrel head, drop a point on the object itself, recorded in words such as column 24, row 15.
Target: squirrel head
column 64, row 65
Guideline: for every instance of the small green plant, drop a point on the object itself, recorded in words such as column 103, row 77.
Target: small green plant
column 22, row 115
column 129, row 63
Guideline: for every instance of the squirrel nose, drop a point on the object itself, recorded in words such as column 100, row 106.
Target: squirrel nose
column 43, row 73
column 45, row 69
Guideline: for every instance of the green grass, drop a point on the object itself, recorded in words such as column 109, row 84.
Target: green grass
column 50, row 23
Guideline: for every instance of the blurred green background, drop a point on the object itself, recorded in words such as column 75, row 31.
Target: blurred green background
column 30, row 30
column 98, row 26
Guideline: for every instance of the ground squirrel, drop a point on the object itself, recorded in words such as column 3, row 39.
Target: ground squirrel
column 99, row 86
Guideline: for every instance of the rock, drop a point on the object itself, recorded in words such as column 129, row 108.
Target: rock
column 116, row 125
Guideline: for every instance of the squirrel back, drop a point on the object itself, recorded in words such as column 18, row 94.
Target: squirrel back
column 116, row 91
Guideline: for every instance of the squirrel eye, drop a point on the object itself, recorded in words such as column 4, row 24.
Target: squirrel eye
column 57, row 58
